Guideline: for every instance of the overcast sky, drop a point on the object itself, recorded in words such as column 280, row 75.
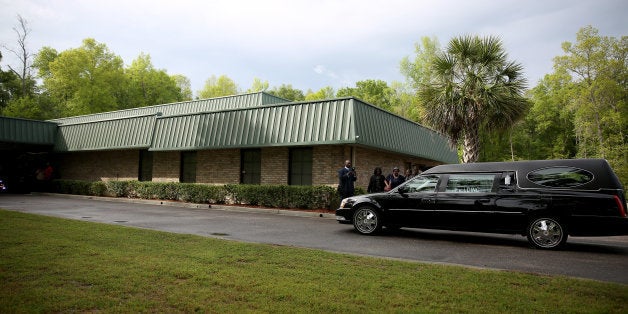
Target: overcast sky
column 309, row 44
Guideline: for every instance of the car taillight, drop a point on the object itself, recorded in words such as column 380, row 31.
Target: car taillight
column 620, row 206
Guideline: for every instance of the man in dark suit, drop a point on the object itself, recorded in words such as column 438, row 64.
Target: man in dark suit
column 346, row 177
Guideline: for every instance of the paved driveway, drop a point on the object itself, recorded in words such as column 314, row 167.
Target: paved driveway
column 604, row 259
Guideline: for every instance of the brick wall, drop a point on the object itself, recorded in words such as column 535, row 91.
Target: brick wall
column 329, row 159
column 326, row 160
column 166, row 166
column 275, row 165
column 99, row 166
column 222, row 166
column 367, row 159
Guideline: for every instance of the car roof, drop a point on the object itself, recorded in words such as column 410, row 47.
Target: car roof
column 604, row 177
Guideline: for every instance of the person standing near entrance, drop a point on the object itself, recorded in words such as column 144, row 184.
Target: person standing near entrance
column 346, row 179
column 377, row 181
column 394, row 180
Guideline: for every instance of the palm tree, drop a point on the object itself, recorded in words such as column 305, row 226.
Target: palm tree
column 473, row 88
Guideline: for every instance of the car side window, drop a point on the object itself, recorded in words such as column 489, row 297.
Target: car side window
column 470, row 183
column 557, row 177
column 421, row 184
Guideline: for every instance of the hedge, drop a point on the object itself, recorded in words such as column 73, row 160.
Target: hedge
column 275, row 196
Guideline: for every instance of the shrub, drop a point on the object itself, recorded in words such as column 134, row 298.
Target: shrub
column 277, row 196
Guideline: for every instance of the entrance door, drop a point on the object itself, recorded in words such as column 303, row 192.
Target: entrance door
column 251, row 166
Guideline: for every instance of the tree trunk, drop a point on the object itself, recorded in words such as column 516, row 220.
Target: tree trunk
column 471, row 145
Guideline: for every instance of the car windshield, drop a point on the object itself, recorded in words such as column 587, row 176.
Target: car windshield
column 426, row 183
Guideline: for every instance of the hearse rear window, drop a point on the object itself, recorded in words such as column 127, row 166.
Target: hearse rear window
column 560, row 177
column 470, row 183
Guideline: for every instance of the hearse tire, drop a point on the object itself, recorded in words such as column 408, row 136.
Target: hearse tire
column 546, row 233
column 366, row 220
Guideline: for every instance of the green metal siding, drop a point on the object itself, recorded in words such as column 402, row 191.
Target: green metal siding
column 126, row 133
column 23, row 131
column 242, row 121
column 314, row 123
column 339, row 121
column 380, row 129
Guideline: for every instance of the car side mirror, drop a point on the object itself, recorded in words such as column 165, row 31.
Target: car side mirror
column 507, row 187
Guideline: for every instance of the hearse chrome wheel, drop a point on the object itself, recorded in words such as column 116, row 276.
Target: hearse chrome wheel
column 366, row 220
column 546, row 233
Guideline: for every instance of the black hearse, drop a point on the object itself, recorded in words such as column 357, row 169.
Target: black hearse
column 544, row 200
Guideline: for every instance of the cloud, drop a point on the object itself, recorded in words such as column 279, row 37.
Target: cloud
column 309, row 44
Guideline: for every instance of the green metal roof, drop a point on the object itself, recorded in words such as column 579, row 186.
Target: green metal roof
column 23, row 131
column 124, row 133
column 381, row 129
column 337, row 121
column 311, row 123
column 250, row 120
column 193, row 106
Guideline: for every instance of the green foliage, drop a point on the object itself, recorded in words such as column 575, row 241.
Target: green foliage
column 218, row 87
column 287, row 92
column 473, row 88
column 277, row 196
column 83, row 80
column 258, row 86
column 420, row 72
column 10, row 87
column 375, row 92
column 579, row 111
column 76, row 187
column 54, row 265
column 321, row 94
column 184, row 85
column 31, row 107
column 598, row 69
column 148, row 86
column 282, row 196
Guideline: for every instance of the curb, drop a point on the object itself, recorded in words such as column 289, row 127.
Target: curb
column 275, row 211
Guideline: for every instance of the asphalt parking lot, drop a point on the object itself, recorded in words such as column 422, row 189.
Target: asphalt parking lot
column 598, row 258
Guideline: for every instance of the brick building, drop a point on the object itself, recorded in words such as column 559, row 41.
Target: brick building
column 251, row 138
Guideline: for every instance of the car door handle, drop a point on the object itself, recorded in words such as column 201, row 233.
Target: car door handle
column 483, row 201
column 428, row 201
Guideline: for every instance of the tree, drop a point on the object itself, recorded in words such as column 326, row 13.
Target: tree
column 10, row 86
column 404, row 101
column 287, row 92
column 598, row 99
column 37, row 107
column 258, row 86
column 321, row 94
column 217, row 87
column 24, row 56
column 184, row 85
column 546, row 132
column 473, row 88
column 419, row 71
column 375, row 92
column 149, row 86
column 83, row 80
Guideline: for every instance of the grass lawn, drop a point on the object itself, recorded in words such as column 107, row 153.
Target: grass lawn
column 57, row 265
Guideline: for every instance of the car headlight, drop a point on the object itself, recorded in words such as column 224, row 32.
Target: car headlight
column 347, row 202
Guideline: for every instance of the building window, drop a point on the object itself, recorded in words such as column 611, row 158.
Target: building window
column 251, row 166
column 146, row 166
column 188, row 167
column 300, row 166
